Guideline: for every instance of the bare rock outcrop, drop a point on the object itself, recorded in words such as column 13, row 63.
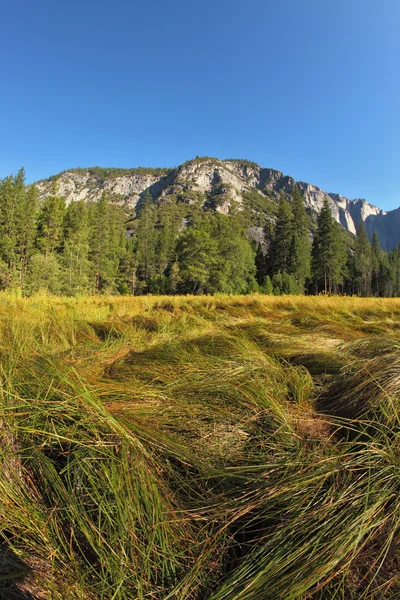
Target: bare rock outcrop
column 226, row 182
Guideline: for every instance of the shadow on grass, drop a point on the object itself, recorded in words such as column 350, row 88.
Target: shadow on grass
column 13, row 575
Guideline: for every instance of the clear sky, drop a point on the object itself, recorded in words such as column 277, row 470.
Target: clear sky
column 308, row 87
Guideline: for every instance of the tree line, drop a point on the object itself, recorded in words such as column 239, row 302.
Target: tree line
column 173, row 247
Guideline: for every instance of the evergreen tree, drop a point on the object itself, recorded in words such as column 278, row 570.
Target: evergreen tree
column 289, row 250
column 73, row 250
column 261, row 265
column 169, row 218
column 117, row 242
column 349, row 284
column 8, row 202
column 300, row 245
column 127, row 278
column 362, row 262
column 107, row 243
column 26, row 232
column 75, row 254
column 279, row 256
column 13, row 200
column 99, row 241
column 284, row 283
column 235, row 273
column 146, row 240
column 387, row 276
column 393, row 260
column 50, row 224
column 376, row 258
column 267, row 287
column 174, row 278
column 197, row 255
column 328, row 255
column 44, row 274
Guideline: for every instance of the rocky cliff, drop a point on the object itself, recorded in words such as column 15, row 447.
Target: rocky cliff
column 222, row 182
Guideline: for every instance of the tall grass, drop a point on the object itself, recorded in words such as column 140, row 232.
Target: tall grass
column 199, row 448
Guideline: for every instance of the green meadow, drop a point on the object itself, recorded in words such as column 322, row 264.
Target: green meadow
column 199, row 448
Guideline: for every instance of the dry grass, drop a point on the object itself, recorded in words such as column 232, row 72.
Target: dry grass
column 199, row 447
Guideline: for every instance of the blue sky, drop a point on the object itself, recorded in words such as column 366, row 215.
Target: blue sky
column 309, row 87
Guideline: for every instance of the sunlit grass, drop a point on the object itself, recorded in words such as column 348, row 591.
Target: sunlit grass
column 238, row 447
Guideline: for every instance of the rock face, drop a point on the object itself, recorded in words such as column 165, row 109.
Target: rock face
column 346, row 212
column 224, row 182
column 86, row 186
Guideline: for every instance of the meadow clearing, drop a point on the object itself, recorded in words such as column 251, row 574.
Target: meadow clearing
column 199, row 448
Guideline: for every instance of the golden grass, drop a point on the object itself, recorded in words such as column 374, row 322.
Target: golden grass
column 226, row 447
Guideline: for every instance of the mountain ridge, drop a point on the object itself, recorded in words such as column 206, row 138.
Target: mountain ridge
column 222, row 183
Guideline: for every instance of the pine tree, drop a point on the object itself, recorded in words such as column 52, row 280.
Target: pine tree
column 174, row 278
column 284, row 283
column 75, row 254
column 126, row 280
column 392, row 259
column 197, row 256
column 362, row 262
column 99, row 239
column 169, row 218
column 12, row 196
column 267, row 287
column 44, row 274
column 26, row 232
column 236, row 266
column 376, row 257
column 50, row 223
column 279, row 256
column 107, row 242
column 17, row 229
column 79, row 248
column 261, row 265
column 388, row 276
column 117, row 241
column 300, row 244
column 146, row 240
column 328, row 254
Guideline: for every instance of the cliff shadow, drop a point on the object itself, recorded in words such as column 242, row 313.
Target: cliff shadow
column 156, row 188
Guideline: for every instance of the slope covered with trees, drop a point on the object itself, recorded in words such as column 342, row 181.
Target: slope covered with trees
column 183, row 243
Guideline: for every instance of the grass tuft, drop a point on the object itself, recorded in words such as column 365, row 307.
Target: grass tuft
column 199, row 448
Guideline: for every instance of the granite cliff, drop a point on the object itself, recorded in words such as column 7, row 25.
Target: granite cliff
column 223, row 183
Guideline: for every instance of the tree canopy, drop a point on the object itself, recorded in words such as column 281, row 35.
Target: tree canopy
column 175, row 246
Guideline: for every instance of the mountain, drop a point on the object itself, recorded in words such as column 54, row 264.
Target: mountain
column 221, row 184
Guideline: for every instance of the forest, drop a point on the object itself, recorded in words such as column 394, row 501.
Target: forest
column 183, row 247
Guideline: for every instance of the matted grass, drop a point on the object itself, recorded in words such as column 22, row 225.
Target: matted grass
column 219, row 448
